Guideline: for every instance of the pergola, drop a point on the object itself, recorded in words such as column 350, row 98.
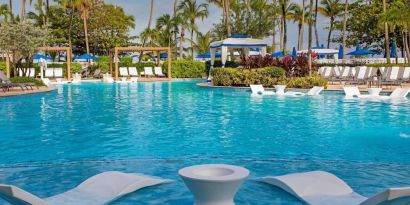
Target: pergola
column 158, row 50
column 49, row 49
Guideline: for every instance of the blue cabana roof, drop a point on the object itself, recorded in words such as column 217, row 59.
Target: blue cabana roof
column 359, row 51
column 86, row 57
column 41, row 56
column 208, row 55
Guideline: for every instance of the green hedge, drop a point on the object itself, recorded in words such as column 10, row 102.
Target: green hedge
column 218, row 64
column 27, row 80
column 244, row 77
column 268, row 77
column 185, row 69
column 3, row 67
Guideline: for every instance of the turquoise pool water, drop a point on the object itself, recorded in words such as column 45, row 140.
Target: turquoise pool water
column 51, row 142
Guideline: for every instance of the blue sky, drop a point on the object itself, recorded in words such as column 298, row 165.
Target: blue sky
column 140, row 9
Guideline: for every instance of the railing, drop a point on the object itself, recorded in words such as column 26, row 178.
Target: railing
column 360, row 61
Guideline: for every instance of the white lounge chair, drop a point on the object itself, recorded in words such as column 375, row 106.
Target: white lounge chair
column 124, row 73
column 98, row 190
column 148, row 71
column 406, row 74
column 259, row 90
column 158, row 72
column 31, row 72
column 133, row 74
column 398, row 93
column 49, row 73
column 58, row 72
column 323, row 188
column 315, row 90
column 280, row 90
column 327, row 72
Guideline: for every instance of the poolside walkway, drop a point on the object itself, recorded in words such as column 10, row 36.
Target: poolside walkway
column 17, row 91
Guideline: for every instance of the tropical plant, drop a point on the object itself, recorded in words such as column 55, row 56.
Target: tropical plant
column 203, row 42
column 330, row 9
column 22, row 40
column 168, row 27
column 192, row 11
column 84, row 7
column 298, row 15
column 5, row 13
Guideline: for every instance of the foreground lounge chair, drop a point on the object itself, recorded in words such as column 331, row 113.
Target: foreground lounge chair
column 398, row 93
column 98, row 190
column 6, row 84
column 259, row 90
column 315, row 90
column 323, row 188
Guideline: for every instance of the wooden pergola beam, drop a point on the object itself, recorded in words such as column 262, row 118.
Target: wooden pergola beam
column 117, row 50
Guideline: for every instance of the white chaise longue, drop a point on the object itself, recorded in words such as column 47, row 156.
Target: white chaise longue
column 100, row 189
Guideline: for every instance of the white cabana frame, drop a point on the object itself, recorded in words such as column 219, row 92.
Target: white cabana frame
column 235, row 43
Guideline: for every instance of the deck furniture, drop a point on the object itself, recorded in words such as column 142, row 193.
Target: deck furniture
column 158, row 72
column 100, row 189
column 260, row 90
column 324, row 188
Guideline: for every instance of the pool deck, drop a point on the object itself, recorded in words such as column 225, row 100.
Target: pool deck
column 330, row 87
column 17, row 91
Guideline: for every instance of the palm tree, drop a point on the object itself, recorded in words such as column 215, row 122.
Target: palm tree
column 298, row 16
column 193, row 11
column 273, row 17
column 310, row 37
column 151, row 13
column 331, row 9
column 315, row 23
column 386, row 34
column 168, row 27
column 286, row 10
column 84, row 7
column 203, row 41
column 23, row 10
column 11, row 9
column 345, row 28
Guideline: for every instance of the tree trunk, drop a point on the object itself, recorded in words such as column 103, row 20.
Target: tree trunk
column 150, row 14
column 395, row 48
column 192, row 42
column 181, row 43
column 274, row 37
column 299, row 35
column 285, row 34
column 316, row 33
column 302, row 30
column 330, row 32
column 86, row 34
column 386, row 35
column 175, row 33
column 344, row 29
column 310, row 39
column 11, row 10
column 23, row 11
column 70, row 26
column 406, row 44
column 47, row 11
column 227, row 19
column 281, row 34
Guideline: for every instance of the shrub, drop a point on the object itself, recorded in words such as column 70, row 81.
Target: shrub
column 268, row 77
column 218, row 64
column 27, row 80
column 244, row 77
column 185, row 69
column 3, row 67
column 306, row 82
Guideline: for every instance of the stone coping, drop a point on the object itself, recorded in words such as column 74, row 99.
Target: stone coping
column 15, row 91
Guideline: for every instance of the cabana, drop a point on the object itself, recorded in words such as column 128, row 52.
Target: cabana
column 115, row 51
column 236, row 42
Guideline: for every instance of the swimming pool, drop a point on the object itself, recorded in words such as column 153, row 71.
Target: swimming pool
column 51, row 142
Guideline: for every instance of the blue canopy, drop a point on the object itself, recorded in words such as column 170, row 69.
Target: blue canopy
column 318, row 47
column 237, row 35
column 279, row 54
column 359, row 51
column 208, row 55
column 340, row 54
column 86, row 57
column 393, row 50
column 294, row 53
column 41, row 56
